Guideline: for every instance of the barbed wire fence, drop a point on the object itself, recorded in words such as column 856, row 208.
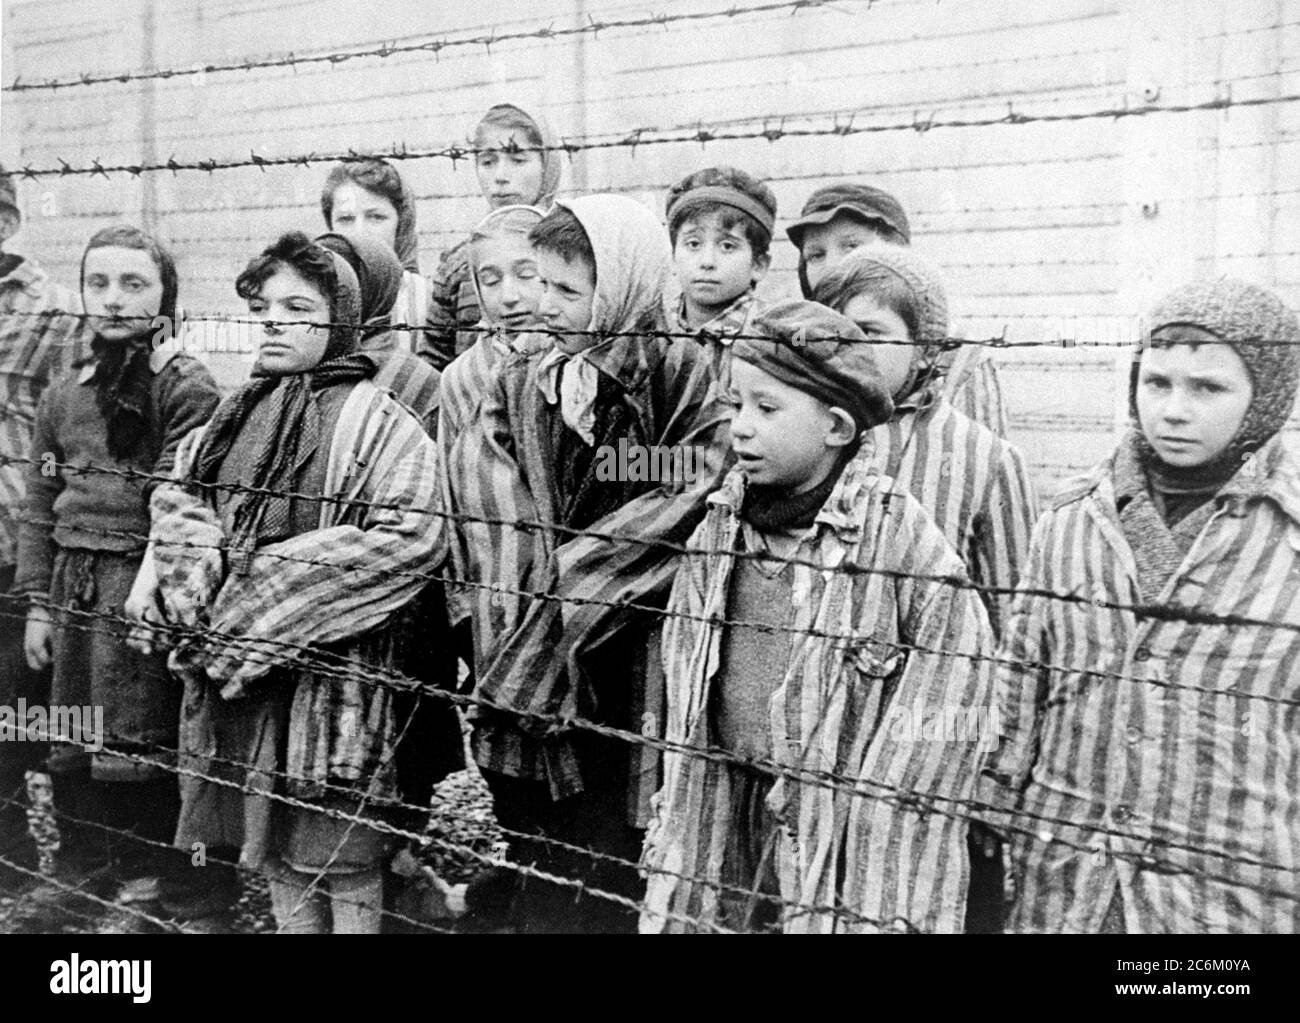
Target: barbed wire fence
column 1145, row 850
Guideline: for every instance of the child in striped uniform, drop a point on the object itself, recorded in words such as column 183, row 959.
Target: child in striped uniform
column 587, row 646
column 720, row 222
column 815, row 681
column 845, row 217
column 974, row 483
column 264, row 577
column 503, row 270
column 369, row 198
column 1149, row 760
column 40, row 332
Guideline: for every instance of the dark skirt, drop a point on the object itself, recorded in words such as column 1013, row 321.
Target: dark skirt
column 94, row 668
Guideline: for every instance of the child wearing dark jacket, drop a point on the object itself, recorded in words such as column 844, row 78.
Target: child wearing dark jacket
column 106, row 426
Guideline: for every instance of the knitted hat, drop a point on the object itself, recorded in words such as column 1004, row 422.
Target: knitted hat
column 1240, row 314
column 10, row 217
column 874, row 205
column 820, row 352
column 863, row 271
column 724, row 186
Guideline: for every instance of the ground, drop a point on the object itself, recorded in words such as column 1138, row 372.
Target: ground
column 462, row 823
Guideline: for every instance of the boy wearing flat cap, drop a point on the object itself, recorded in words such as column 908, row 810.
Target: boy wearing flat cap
column 845, row 217
column 807, row 636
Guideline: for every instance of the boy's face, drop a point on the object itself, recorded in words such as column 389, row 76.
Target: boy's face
column 715, row 264
column 287, row 295
column 505, row 177
column 119, row 285
column 508, row 280
column 1191, row 396
column 783, row 437
column 358, row 211
column 885, row 327
column 826, row 245
column 568, row 290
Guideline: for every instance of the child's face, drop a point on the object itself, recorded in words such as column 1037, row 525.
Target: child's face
column 358, row 211
column 287, row 295
column 507, row 178
column 568, row 290
column 1191, row 396
column 508, row 280
column 715, row 264
column 783, row 437
column 119, row 284
column 826, row 245
column 885, row 327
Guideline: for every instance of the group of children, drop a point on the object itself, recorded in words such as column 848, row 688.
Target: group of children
column 840, row 676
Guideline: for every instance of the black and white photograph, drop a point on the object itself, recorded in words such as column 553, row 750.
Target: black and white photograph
column 677, row 466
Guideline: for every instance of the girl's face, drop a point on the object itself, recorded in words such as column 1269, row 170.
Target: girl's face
column 122, row 291
column 507, row 178
column 287, row 295
column 358, row 211
column 508, row 280
column 885, row 327
column 783, row 437
column 826, row 245
column 1192, row 395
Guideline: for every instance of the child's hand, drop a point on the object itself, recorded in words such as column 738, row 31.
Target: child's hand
column 144, row 609
column 38, row 642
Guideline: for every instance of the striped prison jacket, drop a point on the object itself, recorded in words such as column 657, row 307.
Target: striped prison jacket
column 974, row 484
column 41, row 336
column 329, row 587
column 1148, row 755
column 542, row 659
column 874, row 656
column 972, row 385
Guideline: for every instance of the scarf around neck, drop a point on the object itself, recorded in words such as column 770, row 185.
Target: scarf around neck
column 292, row 438
column 122, row 381
column 773, row 509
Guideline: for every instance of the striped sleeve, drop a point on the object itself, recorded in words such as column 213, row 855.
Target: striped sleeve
column 1020, row 683
column 357, row 575
column 974, row 388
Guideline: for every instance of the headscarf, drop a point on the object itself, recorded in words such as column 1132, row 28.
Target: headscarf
column 383, row 179
column 294, row 423
column 122, row 377
column 923, row 280
column 507, row 115
column 379, row 279
column 634, row 280
column 514, row 219
column 1265, row 333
